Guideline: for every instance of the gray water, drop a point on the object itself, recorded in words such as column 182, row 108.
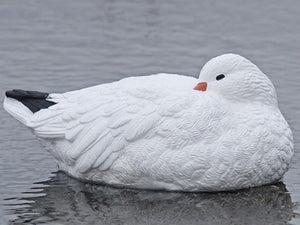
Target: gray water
column 57, row 46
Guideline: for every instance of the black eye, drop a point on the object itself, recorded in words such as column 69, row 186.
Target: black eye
column 219, row 77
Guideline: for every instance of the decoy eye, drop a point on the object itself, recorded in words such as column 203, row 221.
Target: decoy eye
column 220, row 77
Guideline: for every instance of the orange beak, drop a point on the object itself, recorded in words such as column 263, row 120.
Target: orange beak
column 201, row 86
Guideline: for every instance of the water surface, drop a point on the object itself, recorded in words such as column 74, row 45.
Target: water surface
column 58, row 46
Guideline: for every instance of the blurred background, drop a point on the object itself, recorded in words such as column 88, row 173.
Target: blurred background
column 58, row 46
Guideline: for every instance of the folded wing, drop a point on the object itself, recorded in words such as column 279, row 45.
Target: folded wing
column 98, row 122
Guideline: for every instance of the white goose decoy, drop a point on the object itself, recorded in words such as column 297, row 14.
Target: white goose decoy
column 166, row 131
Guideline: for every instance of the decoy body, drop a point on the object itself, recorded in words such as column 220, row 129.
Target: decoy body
column 223, row 131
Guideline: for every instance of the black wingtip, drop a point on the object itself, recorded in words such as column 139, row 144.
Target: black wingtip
column 34, row 100
column 21, row 94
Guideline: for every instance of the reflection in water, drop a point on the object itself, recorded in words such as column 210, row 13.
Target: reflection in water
column 68, row 201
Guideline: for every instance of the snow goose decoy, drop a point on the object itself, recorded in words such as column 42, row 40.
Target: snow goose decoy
column 223, row 131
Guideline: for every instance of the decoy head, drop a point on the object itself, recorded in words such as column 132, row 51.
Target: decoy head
column 236, row 78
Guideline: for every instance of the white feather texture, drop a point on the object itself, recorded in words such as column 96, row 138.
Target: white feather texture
column 156, row 132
